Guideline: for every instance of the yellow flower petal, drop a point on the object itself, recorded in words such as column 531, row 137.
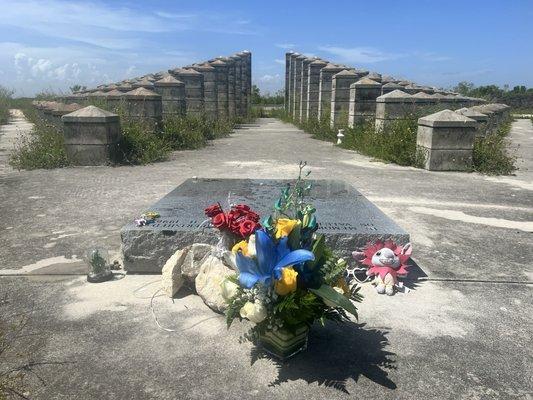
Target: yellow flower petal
column 287, row 283
column 284, row 227
column 242, row 246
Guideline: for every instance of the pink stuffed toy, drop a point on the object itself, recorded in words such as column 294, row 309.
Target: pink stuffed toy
column 386, row 262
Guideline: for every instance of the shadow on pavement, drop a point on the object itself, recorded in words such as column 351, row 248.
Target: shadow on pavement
column 336, row 353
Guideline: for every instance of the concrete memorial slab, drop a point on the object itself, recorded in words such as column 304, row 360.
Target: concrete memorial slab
column 345, row 216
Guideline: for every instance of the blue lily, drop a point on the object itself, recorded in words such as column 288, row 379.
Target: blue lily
column 271, row 258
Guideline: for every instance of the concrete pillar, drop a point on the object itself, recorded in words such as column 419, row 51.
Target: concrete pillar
column 480, row 118
column 248, row 80
column 210, row 89
column 363, row 95
column 324, row 90
column 391, row 107
column 340, row 97
column 304, row 84
column 144, row 105
column 290, row 106
column 92, row 136
column 389, row 87
column 239, row 109
column 172, row 92
column 297, row 86
column 62, row 109
column 245, row 87
column 124, row 87
column 114, row 100
column 424, row 104
column 144, row 83
column 374, row 76
column 231, row 86
column 287, row 79
column 447, row 139
column 221, row 78
column 313, row 88
column 194, row 89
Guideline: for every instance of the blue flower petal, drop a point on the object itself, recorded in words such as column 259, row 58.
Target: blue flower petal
column 283, row 248
column 266, row 252
column 293, row 258
column 247, row 279
column 245, row 264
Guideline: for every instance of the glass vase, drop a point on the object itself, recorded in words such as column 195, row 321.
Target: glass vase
column 283, row 343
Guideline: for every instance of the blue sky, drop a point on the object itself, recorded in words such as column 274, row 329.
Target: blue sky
column 53, row 44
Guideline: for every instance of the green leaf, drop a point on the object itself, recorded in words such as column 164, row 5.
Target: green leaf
column 318, row 250
column 330, row 295
column 294, row 238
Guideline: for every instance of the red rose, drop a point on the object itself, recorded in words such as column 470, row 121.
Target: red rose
column 220, row 221
column 247, row 227
column 242, row 207
column 233, row 220
column 213, row 210
column 253, row 216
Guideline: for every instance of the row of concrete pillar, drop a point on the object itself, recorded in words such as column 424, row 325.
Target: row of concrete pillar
column 345, row 96
column 217, row 88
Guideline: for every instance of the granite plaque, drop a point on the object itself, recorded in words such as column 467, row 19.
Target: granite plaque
column 344, row 215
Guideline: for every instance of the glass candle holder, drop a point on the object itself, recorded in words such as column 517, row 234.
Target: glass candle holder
column 99, row 267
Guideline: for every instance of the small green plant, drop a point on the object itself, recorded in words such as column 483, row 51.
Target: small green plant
column 491, row 154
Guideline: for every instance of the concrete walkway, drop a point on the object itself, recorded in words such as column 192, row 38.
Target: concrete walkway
column 16, row 126
column 464, row 332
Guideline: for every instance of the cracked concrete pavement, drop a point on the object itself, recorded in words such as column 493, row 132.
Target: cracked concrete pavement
column 463, row 332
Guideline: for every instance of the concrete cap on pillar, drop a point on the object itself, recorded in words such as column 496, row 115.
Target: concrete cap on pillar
column 169, row 80
column 404, row 83
column 366, row 83
column 333, row 68
column 394, row 96
column 90, row 114
column 478, row 116
column 141, row 93
column 114, row 93
column 374, row 76
column 144, row 82
column 447, row 119
column 319, row 63
column 184, row 71
column 345, row 73
column 218, row 62
column 423, row 96
column 96, row 93
column 392, row 85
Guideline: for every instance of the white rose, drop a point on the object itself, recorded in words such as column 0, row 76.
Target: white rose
column 255, row 312
column 329, row 303
column 228, row 289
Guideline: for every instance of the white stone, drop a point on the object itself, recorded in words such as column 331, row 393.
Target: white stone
column 196, row 254
column 209, row 280
column 171, row 279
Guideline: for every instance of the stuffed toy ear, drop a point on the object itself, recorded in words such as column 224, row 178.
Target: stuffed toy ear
column 407, row 249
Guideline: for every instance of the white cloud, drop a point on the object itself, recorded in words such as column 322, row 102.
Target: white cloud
column 359, row 54
column 286, row 46
column 278, row 61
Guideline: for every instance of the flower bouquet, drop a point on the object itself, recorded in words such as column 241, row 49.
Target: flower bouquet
column 287, row 277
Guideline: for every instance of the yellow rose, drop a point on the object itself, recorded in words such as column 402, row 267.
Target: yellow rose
column 287, row 283
column 242, row 246
column 341, row 284
column 284, row 227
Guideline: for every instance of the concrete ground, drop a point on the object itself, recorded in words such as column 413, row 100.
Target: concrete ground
column 463, row 332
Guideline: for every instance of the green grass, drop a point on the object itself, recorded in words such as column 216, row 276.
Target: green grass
column 397, row 143
column 43, row 147
column 5, row 104
column 491, row 153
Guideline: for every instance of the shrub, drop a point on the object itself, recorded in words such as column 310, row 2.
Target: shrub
column 140, row 144
column 183, row 133
column 43, row 147
column 491, row 153
column 5, row 103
